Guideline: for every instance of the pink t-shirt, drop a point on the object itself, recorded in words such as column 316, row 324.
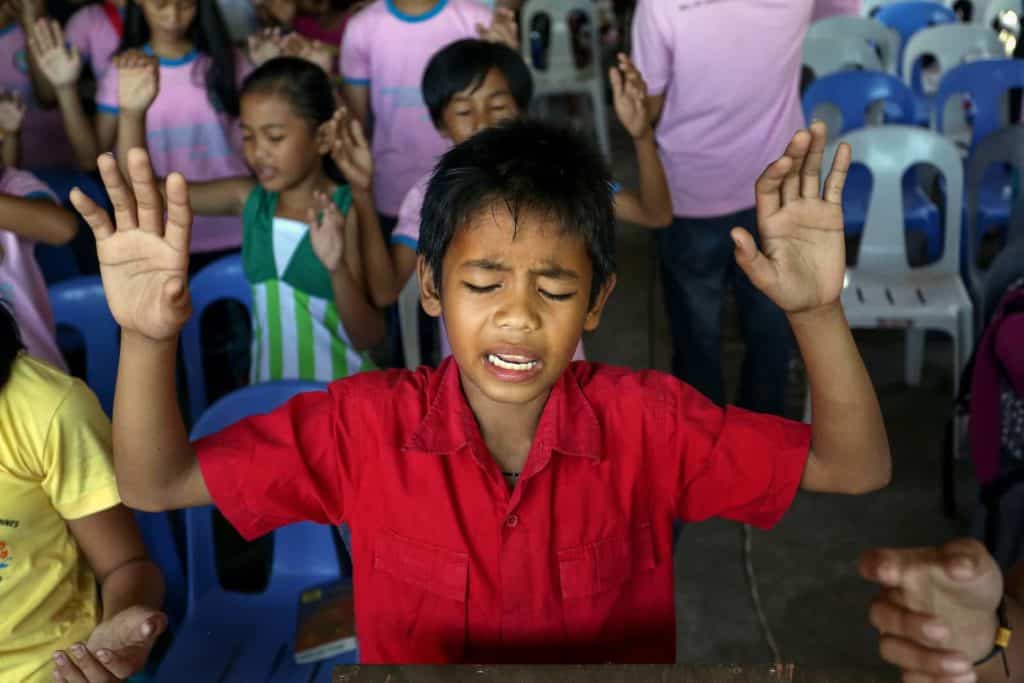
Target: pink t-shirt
column 407, row 233
column 387, row 51
column 21, row 282
column 730, row 74
column 185, row 133
column 44, row 143
column 90, row 31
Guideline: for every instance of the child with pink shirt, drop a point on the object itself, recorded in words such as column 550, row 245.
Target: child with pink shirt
column 384, row 52
column 95, row 31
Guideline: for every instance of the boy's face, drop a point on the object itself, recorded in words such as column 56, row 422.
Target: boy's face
column 514, row 308
column 474, row 109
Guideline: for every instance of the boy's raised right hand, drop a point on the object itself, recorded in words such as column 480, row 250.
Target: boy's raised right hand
column 143, row 259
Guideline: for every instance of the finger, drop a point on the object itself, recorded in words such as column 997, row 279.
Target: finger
column 768, row 188
column 96, row 218
column 115, row 664
column 837, row 176
column 890, row 617
column 887, row 566
column 358, row 135
column 178, row 232
column 962, row 559
column 755, row 264
column 810, row 184
column 796, row 151
column 63, row 665
column 970, row 677
column 150, row 204
column 913, row 657
column 615, row 76
column 91, row 669
column 312, row 220
column 121, row 197
column 54, row 34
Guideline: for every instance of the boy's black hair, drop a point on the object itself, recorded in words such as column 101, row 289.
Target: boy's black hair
column 10, row 342
column 465, row 63
column 209, row 36
column 306, row 88
column 526, row 165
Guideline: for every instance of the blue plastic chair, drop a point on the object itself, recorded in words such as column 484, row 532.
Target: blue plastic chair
column 228, row 636
column 221, row 280
column 984, row 83
column 79, row 304
column 853, row 93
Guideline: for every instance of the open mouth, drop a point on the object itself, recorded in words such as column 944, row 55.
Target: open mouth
column 512, row 363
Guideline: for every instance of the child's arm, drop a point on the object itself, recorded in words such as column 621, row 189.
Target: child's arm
column 144, row 266
column 12, row 114
column 62, row 66
column 37, row 219
column 138, row 82
column 132, row 591
column 29, row 13
column 332, row 236
column 801, row 269
column 652, row 206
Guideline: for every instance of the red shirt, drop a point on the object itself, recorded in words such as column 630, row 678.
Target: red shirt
column 573, row 565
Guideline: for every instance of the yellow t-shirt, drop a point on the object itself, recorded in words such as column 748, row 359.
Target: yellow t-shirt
column 54, row 465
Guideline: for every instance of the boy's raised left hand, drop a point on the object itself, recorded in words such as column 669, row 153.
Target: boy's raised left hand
column 629, row 95
column 802, row 260
column 116, row 649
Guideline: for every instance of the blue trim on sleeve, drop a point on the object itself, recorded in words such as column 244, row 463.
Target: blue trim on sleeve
column 405, row 240
column 7, row 29
column 413, row 18
column 356, row 81
column 107, row 109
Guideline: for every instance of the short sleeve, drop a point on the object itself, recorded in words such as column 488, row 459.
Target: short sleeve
column 78, row 472
column 407, row 230
column 354, row 54
column 78, row 30
column 736, row 464
column 652, row 48
column 20, row 183
column 287, row 466
column 106, row 92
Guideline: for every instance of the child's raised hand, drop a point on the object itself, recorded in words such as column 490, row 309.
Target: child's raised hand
column 351, row 150
column 29, row 10
column 937, row 606
column 117, row 648
column 802, row 260
column 264, row 45
column 12, row 112
column 629, row 94
column 327, row 232
column 138, row 80
column 143, row 260
column 503, row 28
column 61, row 64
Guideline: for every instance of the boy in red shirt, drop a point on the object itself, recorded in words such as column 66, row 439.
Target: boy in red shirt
column 507, row 506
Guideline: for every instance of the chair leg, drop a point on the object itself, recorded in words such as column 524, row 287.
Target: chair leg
column 913, row 356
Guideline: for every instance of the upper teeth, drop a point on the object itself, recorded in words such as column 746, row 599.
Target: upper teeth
column 509, row 365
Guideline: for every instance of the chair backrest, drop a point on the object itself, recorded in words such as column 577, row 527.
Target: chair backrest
column 879, row 36
column 1005, row 146
column 826, row 55
column 853, row 93
column 80, row 304
column 907, row 18
column 224, row 279
column 984, row 82
column 560, row 61
column 993, row 9
column 951, row 46
column 300, row 550
column 869, row 8
column 888, row 152
column 409, row 322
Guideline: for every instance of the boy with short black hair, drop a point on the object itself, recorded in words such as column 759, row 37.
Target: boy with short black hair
column 509, row 505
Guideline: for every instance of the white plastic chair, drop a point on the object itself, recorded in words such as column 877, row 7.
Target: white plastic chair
column 951, row 45
column 987, row 11
column 409, row 321
column 561, row 75
column 883, row 39
column 882, row 290
column 826, row 55
column 869, row 6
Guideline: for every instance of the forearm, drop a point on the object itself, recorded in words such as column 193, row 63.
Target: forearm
column 10, row 150
column 363, row 322
column 38, row 220
column 131, row 132
column 137, row 582
column 41, row 86
column 152, row 454
column 848, row 434
column 654, row 192
column 379, row 269
column 79, row 127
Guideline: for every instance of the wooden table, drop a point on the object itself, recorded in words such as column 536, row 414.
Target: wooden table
column 599, row 674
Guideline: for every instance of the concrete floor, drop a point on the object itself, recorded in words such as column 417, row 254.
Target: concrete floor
column 806, row 567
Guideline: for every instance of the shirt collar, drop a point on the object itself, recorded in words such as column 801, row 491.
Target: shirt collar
column 568, row 424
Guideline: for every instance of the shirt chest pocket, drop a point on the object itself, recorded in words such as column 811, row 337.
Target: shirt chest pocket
column 426, row 587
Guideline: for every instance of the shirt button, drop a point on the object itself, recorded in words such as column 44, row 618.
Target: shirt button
column 512, row 521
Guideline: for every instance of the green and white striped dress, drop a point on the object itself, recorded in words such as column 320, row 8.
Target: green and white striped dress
column 297, row 333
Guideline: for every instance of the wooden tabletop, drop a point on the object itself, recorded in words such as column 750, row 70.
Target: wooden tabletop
column 602, row 674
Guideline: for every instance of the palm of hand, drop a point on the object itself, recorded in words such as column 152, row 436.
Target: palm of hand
column 137, row 267
column 136, row 87
column 61, row 65
column 122, row 635
column 632, row 113
column 328, row 240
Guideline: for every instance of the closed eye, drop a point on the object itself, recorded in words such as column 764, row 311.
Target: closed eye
column 557, row 297
column 476, row 289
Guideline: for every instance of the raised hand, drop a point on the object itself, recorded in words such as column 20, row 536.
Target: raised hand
column 937, row 608
column 12, row 112
column 61, row 64
column 143, row 260
column 327, row 232
column 802, row 259
column 629, row 95
column 503, row 28
column 351, row 150
column 116, row 649
column 138, row 80
column 264, row 45
column 313, row 51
